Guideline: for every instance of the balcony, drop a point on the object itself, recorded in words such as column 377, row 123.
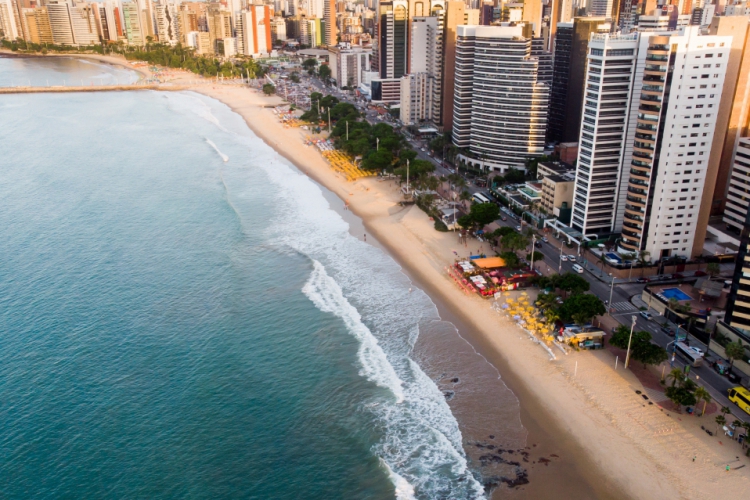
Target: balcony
column 651, row 98
column 653, row 88
column 632, row 234
column 640, row 173
column 653, row 78
column 636, row 190
column 637, row 182
column 635, row 199
column 650, row 107
column 656, row 68
column 644, row 137
column 657, row 57
column 634, row 209
column 632, row 225
column 639, row 163
column 646, row 126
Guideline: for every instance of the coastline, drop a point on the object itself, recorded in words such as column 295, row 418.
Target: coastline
column 575, row 472
column 620, row 446
column 599, row 427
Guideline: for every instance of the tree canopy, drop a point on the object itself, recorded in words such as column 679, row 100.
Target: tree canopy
column 581, row 308
column 641, row 347
column 484, row 213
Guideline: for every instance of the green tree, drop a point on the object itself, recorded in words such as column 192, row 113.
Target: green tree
column 377, row 160
column 514, row 176
column 484, row 213
column 644, row 259
column 511, row 259
column 294, row 77
column 465, row 221
column 701, row 394
column 324, row 72
column 538, row 256
column 680, row 396
column 641, row 347
column 734, row 350
column 310, row 64
column 514, row 242
column 677, row 376
column 571, row 283
column 268, row 89
column 720, row 421
column 581, row 308
column 502, row 231
column 713, row 269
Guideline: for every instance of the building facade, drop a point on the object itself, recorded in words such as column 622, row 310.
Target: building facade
column 500, row 104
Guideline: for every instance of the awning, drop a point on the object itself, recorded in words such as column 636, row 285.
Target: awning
column 489, row 262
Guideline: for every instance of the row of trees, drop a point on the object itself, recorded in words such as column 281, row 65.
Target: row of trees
column 579, row 306
column 185, row 58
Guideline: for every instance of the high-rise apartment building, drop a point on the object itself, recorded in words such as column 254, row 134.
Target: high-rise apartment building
column 329, row 16
column 738, row 301
column 568, row 79
column 500, row 105
column 679, row 95
column 133, row 32
column 603, row 133
column 733, row 120
column 420, row 88
column 256, row 31
column 450, row 15
column 8, row 25
column 167, row 23
column 738, row 193
column 84, row 25
column 393, row 34
column 60, row 22
column 39, row 29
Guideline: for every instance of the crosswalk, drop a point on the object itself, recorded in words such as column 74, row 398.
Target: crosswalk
column 624, row 307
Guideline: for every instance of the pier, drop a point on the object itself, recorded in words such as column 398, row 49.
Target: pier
column 89, row 88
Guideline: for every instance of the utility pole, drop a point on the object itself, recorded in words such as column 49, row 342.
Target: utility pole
column 407, row 176
column 377, row 144
column 611, row 289
column 632, row 327
column 559, row 266
column 329, row 120
column 347, row 130
column 533, row 247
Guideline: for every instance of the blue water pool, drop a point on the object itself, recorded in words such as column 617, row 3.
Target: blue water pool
column 614, row 257
column 675, row 293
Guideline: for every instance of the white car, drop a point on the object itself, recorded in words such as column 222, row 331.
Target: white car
column 564, row 258
column 572, row 258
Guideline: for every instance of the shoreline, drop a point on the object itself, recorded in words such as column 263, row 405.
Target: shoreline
column 619, row 446
column 576, row 472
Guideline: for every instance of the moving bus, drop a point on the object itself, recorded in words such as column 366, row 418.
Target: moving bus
column 741, row 397
column 692, row 356
column 480, row 198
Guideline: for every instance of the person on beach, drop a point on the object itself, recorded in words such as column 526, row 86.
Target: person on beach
column 365, row 236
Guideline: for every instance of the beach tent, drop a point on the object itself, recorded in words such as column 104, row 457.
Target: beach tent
column 489, row 263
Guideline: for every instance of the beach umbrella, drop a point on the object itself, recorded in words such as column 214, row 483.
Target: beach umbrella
column 505, row 306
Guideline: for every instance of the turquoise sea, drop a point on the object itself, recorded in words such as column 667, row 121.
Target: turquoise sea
column 183, row 315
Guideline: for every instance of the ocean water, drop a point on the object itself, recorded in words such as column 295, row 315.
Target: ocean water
column 183, row 314
column 71, row 71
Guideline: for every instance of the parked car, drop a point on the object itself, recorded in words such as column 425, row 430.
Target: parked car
column 721, row 366
column 545, row 240
column 518, row 228
column 572, row 258
column 701, row 273
column 677, row 276
column 564, row 258
column 504, row 218
column 646, row 315
column 668, row 331
column 538, row 244
column 643, row 280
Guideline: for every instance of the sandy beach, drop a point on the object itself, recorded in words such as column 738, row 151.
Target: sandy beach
column 595, row 421
column 597, row 436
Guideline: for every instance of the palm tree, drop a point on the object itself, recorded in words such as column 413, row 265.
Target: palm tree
column 677, row 376
column 644, row 258
column 602, row 260
column 464, row 196
column 713, row 269
column 734, row 350
column 720, row 421
column 737, row 424
column 701, row 394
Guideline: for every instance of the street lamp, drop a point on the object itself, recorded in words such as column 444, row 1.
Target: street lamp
column 559, row 266
column 611, row 289
column 630, row 339
column 533, row 247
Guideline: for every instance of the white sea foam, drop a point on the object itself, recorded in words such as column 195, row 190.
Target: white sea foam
column 326, row 294
column 223, row 156
column 420, row 442
column 404, row 491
